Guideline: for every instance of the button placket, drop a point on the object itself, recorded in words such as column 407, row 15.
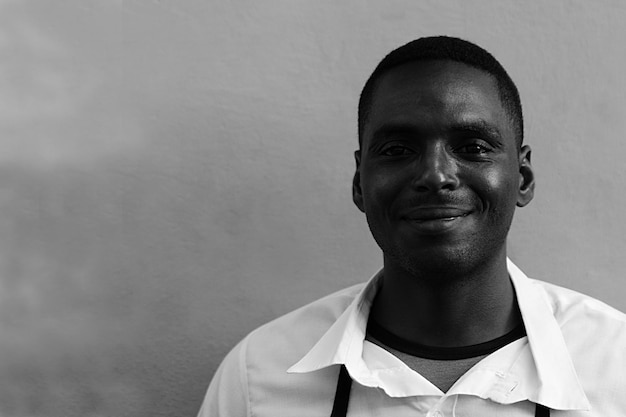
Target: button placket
column 436, row 411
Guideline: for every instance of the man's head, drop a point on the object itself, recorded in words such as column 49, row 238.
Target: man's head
column 440, row 167
column 446, row 48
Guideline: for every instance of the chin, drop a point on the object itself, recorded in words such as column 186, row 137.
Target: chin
column 440, row 265
column 436, row 264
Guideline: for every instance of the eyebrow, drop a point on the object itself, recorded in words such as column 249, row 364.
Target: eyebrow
column 477, row 126
column 395, row 128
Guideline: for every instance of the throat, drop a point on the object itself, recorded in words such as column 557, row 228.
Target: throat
column 467, row 313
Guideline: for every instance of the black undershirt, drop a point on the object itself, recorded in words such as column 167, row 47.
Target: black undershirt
column 443, row 353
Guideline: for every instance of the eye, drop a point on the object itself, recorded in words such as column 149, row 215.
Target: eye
column 474, row 149
column 395, row 150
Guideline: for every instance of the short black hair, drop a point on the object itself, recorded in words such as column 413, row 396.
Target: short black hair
column 446, row 48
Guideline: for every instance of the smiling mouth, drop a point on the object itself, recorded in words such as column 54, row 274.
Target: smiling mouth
column 436, row 220
column 434, row 214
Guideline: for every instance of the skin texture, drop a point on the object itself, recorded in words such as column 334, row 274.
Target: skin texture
column 439, row 175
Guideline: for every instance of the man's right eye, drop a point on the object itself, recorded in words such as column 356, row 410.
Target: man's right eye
column 396, row 150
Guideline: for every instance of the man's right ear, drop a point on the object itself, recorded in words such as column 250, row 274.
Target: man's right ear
column 357, row 194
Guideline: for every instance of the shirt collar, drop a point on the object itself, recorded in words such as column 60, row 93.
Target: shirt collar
column 343, row 342
column 555, row 383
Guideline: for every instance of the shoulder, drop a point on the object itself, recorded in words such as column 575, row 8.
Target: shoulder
column 572, row 307
column 595, row 336
column 280, row 343
column 289, row 337
column 257, row 365
column 594, row 333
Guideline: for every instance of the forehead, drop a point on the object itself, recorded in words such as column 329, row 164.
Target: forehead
column 433, row 94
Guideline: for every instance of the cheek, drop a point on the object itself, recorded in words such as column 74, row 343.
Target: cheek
column 379, row 189
column 501, row 186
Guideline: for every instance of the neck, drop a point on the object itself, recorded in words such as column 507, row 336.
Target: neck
column 447, row 309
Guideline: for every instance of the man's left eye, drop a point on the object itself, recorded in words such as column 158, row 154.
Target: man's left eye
column 473, row 148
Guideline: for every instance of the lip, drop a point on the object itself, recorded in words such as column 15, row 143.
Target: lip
column 435, row 220
column 427, row 214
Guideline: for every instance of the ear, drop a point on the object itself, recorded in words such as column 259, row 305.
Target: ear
column 357, row 194
column 526, row 178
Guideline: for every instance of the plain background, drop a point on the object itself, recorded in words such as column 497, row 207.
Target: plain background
column 176, row 173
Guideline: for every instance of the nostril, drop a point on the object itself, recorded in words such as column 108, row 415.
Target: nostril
column 436, row 180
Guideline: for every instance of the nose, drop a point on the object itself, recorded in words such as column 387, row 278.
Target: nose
column 436, row 170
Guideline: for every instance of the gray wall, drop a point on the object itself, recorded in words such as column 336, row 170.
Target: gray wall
column 175, row 173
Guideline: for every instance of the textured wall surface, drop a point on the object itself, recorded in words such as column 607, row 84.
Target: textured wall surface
column 177, row 172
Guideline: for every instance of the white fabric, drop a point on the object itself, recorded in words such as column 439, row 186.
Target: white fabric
column 573, row 361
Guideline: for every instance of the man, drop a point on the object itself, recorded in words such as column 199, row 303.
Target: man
column 449, row 326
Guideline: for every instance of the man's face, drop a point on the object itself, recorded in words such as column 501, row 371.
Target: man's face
column 439, row 172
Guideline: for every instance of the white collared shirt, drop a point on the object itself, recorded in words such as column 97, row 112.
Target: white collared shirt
column 573, row 360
